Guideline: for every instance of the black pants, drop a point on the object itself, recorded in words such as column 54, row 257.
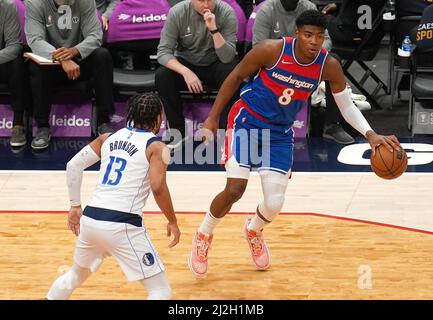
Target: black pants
column 169, row 83
column 15, row 74
column 98, row 67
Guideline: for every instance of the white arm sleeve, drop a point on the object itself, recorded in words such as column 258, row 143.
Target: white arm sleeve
column 350, row 112
column 74, row 172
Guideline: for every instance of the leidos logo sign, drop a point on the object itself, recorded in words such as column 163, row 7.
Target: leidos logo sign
column 69, row 122
column 417, row 153
column 143, row 18
column 5, row 124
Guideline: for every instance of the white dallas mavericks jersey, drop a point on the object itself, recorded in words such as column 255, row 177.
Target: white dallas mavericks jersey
column 124, row 174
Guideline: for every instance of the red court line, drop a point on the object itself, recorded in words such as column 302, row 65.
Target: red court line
column 245, row 213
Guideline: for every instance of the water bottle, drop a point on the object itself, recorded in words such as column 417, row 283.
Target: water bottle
column 404, row 53
column 406, row 45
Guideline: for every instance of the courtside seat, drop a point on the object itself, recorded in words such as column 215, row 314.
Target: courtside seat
column 422, row 85
column 134, row 80
column 135, row 26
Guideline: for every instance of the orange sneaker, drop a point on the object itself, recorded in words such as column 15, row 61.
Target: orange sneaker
column 197, row 260
column 259, row 250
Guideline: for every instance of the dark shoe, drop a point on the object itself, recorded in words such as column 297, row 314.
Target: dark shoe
column 336, row 133
column 18, row 137
column 127, row 61
column 42, row 139
column 105, row 128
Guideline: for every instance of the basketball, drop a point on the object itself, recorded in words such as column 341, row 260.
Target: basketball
column 388, row 165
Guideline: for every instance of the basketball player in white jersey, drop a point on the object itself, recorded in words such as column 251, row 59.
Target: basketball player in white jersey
column 132, row 163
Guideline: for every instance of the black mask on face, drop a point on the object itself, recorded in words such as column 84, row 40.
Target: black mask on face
column 289, row 5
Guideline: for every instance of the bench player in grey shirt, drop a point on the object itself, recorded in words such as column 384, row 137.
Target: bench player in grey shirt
column 12, row 68
column 67, row 31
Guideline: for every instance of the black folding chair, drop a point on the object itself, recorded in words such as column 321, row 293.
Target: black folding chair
column 361, row 50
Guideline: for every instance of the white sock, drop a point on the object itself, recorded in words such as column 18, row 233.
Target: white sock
column 209, row 223
column 256, row 223
column 157, row 287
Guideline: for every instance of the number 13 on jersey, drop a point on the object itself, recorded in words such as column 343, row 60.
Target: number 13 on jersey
column 118, row 165
column 286, row 98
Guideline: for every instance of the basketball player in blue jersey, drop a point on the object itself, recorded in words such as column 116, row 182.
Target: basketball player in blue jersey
column 289, row 70
column 133, row 162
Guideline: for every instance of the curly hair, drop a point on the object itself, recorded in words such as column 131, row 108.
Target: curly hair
column 311, row 18
column 143, row 110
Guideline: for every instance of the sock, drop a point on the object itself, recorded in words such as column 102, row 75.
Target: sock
column 209, row 223
column 256, row 224
column 157, row 287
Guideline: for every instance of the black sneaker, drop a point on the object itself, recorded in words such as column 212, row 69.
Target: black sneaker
column 18, row 137
column 105, row 128
column 42, row 139
column 336, row 133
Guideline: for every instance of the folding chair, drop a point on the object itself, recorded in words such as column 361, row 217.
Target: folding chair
column 364, row 49
column 420, row 118
column 404, row 26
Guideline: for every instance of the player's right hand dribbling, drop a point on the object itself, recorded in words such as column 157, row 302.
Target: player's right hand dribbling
column 173, row 229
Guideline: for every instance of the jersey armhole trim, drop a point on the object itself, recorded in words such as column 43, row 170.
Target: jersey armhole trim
column 151, row 140
column 281, row 54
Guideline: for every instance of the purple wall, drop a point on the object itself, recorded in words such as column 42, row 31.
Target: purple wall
column 70, row 116
column 250, row 23
column 6, row 117
column 242, row 20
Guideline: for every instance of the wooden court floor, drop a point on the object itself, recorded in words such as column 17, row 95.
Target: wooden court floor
column 313, row 257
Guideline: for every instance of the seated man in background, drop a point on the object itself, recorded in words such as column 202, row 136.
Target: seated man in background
column 198, row 44
column 67, row 31
column 13, row 69
column 275, row 19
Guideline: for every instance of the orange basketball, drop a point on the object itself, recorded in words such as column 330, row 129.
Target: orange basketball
column 388, row 165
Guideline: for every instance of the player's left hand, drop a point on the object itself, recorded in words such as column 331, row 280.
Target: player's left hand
column 209, row 19
column 74, row 216
column 64, row 54
column 375, row 140
column 173, row 229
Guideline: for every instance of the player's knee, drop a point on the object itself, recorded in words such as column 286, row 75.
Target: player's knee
column 271, row 206
column 77, row 275
column 234, row 192
column 163, row 76
column 101, row 54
